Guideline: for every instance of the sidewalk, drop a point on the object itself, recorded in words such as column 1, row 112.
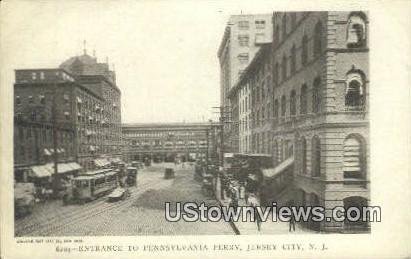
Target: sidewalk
column 269, row 227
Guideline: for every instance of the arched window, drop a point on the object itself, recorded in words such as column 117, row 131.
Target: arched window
column 293, row 20
column 315, row 156
column 356, row 30
column 283, row 106
column 354, row 157
column 284, row 24
column 354, row 93
column 303, row 154
column 318, row 36
column 316, row 95
column 304, row 50
column 284, row 68
column 33, row 115
column 360, row 203
column 276, row 73
column 293, row 104
column 276, row 152
column 277, row 35
column 293, row 65
column 303, row 99
column 276, row 108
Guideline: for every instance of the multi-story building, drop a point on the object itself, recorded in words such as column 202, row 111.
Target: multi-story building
column 242, row 38
column 166, row 141
column 80, row 101
column 48, row 102
column 98, row 78
column 318, row 109
column 254, row 114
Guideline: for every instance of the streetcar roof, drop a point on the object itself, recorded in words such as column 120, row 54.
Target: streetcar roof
column 83, row 177
column 101, row 171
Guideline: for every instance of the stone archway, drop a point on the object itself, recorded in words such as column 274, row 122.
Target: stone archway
column 358, row 203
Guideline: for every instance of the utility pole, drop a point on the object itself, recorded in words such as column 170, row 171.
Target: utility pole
column 224, row 114
column 207, row 141
column 221, row 157
column 55, row 177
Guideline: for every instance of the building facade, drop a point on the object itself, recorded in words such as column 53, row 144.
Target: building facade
column 79, row 102
column 316, row 107
column 243, row 36
column 104, row 117
column 166, row 141
column 47, row 102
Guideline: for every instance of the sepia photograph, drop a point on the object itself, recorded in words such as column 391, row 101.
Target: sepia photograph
column 154, row 119
column 290, row 127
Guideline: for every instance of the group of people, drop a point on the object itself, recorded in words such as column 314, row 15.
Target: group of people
column 241, row 190
column 247, row 190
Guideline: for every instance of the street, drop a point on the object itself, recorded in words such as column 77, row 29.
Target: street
column 140, row 214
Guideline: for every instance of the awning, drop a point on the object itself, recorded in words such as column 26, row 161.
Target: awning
column 48, row 169
column 92, row 148
column 228, row 155
column 47, row 152
column 272, row 172
column 115, row 160
column 101, row 162
column 79, row 100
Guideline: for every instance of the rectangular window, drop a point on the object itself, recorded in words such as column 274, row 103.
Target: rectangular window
column 42, row 75
column 66, row 98
column 243, row 58
column 67, row 115
column 243, row 25
column 260, row 24
column 243, row 40
column 42, row 99
column 34, row 75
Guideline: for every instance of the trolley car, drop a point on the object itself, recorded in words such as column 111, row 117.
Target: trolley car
column 91, row 185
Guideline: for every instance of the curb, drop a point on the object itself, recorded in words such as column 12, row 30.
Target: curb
column 232, row 224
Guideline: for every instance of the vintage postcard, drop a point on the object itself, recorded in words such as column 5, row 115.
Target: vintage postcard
column 205, row 129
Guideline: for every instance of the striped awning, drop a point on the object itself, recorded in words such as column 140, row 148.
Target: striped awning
column 115, row 160
column 48, row 169
column 47, row 152
column 102, row 162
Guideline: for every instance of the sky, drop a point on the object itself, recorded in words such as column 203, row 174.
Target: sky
column 164, row 52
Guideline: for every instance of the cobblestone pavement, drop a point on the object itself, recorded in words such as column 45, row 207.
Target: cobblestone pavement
column 141, row 214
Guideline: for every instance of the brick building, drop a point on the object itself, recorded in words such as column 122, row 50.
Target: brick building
column 313, row 116
column 105, row 119
column 48, row 101
column 81, row 102
column 165, row 141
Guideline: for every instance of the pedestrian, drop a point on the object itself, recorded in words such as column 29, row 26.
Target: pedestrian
column 246, row 195
column 255, row 204
column 234, row 196
column 292, row 223
column 292, row 219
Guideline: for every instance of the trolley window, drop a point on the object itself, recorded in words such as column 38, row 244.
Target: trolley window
column 100, row 180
